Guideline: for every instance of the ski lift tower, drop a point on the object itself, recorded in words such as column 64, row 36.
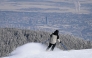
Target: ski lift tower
column 46, row 20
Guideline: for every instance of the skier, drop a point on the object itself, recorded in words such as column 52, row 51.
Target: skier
column 53, row 38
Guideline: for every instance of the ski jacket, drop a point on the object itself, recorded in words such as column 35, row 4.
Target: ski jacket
column 54, row 38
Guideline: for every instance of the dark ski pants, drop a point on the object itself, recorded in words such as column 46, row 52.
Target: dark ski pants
column 52, row 46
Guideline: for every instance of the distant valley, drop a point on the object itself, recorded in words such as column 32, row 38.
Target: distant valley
column 79, row 25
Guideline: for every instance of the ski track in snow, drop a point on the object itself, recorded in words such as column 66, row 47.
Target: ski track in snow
column 37, row 50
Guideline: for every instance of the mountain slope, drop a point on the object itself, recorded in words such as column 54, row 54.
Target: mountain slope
column 11, row 38
column 37, row 50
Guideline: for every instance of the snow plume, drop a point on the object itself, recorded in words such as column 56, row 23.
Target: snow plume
column 37, row 50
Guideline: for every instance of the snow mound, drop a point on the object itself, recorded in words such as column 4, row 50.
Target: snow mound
column 38, row 50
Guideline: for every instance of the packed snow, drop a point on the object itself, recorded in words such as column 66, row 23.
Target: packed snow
column 38, row 50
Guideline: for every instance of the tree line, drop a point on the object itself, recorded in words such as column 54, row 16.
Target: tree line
column 11, row 38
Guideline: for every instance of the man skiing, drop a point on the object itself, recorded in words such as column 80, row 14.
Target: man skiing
column 53, row 38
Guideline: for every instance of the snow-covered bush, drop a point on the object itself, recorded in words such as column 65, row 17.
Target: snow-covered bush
column 10, row 38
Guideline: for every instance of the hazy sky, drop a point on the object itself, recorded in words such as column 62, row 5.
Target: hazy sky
column 58, row 6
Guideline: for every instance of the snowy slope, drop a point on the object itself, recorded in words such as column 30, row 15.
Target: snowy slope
column 37, row 50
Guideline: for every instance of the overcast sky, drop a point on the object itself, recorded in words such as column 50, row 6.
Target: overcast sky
column 58, row 6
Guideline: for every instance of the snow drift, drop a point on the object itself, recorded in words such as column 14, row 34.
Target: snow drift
column 37, row 50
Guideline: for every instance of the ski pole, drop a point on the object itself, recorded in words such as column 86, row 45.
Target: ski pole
column 63, row 46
